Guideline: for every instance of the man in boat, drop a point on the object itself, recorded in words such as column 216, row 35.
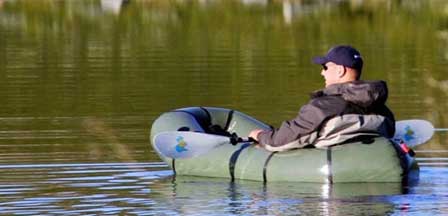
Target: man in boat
column 347, row 109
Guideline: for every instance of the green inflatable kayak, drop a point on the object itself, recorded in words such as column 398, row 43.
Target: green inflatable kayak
column 375, row 160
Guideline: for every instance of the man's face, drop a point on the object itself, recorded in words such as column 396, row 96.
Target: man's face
column 331, row 73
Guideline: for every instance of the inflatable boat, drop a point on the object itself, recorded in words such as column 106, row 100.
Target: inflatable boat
column 374, row 160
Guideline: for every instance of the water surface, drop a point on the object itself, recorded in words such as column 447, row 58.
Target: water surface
column 82, row 81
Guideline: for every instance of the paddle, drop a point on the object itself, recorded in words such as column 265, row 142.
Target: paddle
column 187, row 144
column 413, row 132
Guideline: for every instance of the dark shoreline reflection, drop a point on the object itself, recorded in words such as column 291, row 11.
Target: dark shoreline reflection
column 67, row 61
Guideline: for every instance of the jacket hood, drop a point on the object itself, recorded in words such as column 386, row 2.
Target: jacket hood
column 366, row 94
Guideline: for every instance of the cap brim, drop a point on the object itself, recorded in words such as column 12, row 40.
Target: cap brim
column 320, row 60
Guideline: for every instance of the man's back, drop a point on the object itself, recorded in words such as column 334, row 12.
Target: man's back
column 358, row 97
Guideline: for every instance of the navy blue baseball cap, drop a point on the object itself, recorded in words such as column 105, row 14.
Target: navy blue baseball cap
column 342, row 55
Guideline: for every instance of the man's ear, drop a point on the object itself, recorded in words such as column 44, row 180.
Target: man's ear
column 341, row 71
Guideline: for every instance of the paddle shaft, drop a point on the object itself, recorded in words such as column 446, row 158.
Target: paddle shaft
column 234, row 140
column 441, row 129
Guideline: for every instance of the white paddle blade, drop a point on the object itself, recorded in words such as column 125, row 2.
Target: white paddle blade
column 413, row 132
column 185, row 144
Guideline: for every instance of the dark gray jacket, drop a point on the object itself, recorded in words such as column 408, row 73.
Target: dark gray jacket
column 364, row 98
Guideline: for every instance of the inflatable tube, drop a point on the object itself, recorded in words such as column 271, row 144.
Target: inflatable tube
column 374, row 160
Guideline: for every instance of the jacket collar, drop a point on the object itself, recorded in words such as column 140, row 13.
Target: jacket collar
column 362, row 93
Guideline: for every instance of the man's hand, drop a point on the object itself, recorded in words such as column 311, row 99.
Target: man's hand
column 254, row 134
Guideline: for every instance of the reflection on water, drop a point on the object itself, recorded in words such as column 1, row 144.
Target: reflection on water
column 113, row 6
column 82, row 81
column 78, row 188
column 150, row 189
column 68, row 139
column 77, row 78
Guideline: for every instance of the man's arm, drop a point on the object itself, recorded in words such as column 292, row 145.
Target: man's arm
column 309, row 119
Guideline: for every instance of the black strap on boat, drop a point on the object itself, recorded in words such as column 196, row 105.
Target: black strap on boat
column 329, row 165
column 233, row 160
column 209, row 117
column 173, row 164
column 266, row 165
column 229, row 119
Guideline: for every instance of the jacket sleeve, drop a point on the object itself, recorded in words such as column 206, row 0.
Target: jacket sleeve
column 309, row 119
column 389, row 122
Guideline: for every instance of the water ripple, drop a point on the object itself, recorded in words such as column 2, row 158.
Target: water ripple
column 80, row 188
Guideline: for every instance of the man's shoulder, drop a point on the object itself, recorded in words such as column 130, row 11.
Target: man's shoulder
column 331, row 104
column 328, row 100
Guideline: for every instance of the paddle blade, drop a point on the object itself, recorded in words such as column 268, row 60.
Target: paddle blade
column 186, row 144
column 413, row 132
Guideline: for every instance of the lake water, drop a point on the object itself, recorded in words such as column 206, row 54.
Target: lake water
column 82, row 81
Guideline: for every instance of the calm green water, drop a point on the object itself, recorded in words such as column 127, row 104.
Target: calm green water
column 82, row 80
